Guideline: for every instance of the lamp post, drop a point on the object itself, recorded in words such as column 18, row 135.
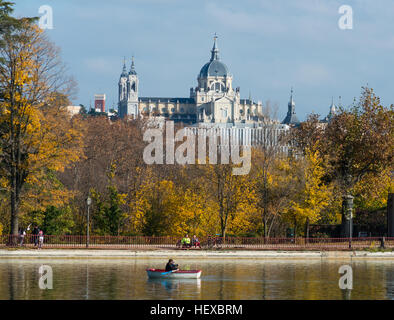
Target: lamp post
column 348, row 218
column 88, row 202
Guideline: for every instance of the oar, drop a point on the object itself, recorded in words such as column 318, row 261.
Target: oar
column 163, row 273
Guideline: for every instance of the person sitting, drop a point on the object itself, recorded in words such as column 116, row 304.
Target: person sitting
column 186, row 242
column 171, row 266
column 196, row 242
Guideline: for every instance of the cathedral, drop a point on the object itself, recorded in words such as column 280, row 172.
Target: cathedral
column 212, row 104
column 213, row 101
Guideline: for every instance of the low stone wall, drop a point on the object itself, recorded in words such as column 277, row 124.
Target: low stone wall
column 204, row 254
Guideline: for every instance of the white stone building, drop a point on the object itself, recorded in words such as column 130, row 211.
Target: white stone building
column 213, row 103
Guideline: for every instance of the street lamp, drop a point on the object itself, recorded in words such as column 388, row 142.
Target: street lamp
column 88, row 202
column 348, row 216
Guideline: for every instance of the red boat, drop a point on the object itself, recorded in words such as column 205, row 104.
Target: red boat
column 179, row 274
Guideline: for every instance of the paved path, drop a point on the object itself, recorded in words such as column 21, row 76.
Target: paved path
column 204, row 254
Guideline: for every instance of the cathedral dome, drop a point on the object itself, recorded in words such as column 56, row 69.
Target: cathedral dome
column 214, row 68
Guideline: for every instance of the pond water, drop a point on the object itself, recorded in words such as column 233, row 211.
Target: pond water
column 221, row 279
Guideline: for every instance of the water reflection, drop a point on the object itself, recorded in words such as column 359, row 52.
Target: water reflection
column 176, row 285
column 390, row 285
column 221, row 279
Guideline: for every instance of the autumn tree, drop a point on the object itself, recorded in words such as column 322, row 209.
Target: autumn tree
column 31, row 77
column 158, row 210
column 233, row 195
column 265, row 155
column 107, row 144
column 311, row 194
column 308, row 135
column 357, row 142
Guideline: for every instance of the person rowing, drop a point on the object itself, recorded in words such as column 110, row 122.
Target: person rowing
column 171, row 266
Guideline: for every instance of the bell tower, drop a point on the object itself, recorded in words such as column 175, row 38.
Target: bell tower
column 132, row 92
column 128, row 92
column 122, row 94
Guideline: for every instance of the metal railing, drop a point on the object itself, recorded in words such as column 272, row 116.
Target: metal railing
column 168, row 242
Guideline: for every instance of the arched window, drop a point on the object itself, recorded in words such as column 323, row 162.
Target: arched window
column 217, row 86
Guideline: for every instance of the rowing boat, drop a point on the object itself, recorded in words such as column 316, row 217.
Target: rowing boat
column 179, row 274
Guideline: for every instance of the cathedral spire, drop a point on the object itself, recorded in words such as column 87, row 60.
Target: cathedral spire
column 132, row 68
column 215, row 50
column 291, row 117
column 291, row 102
column 332, row 109
column 124, row 71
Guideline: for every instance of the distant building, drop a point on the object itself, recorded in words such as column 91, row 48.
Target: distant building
column 332, row 113
column 214, row 104
column 291, row 117
column 73, row 110
column 214, row 100
column 99, row 102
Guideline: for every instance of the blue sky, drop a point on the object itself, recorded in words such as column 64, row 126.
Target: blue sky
column 268, row 45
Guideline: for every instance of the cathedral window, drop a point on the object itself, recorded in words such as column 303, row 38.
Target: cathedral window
column 217, row 86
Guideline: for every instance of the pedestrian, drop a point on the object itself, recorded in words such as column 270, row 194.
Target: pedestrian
column 22, row 237
column 35, row 235
column 40, row 239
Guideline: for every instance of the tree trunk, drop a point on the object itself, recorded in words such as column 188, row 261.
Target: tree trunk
column 295, row 229
column 306, row 230
column 14, row 207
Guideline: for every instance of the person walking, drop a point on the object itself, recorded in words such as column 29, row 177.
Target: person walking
column 22, row 237
column 40, row 239
column 35, row 235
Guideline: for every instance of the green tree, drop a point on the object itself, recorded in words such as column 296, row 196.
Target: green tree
column 108, row 215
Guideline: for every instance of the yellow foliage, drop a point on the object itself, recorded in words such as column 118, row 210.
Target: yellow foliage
column 311, row 194
column 40, row 136
column 372, row 191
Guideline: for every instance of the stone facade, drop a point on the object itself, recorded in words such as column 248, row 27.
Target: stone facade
column 214, row 100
